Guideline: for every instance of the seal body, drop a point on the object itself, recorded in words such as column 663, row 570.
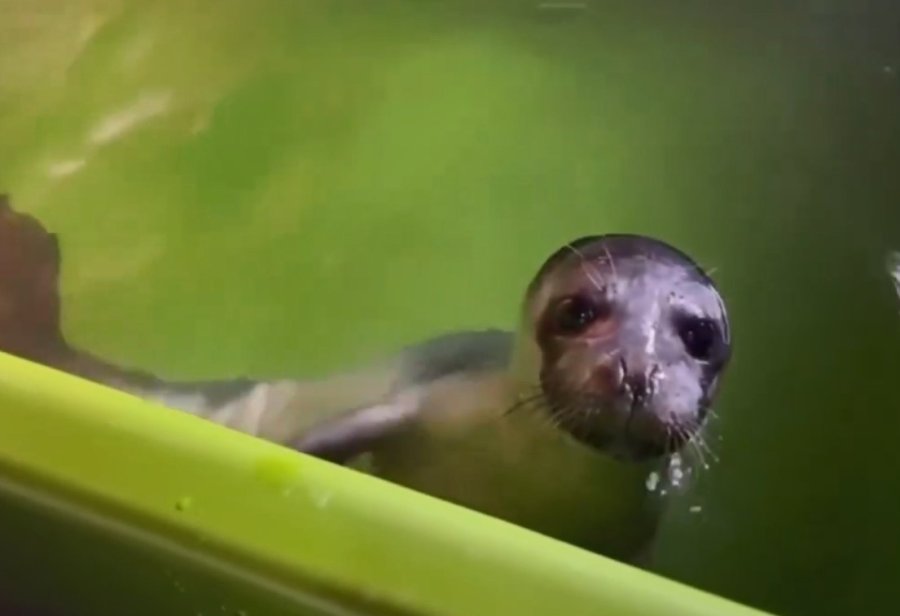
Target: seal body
column 554, row 426
column 468, row 447
column 439, row 418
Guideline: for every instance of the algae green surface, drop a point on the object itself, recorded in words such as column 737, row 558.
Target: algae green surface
column 127, row 508
column 283, row 188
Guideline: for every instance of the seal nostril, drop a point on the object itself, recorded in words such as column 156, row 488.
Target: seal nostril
column 608, row 378
column 639, row 386
column 636, row 385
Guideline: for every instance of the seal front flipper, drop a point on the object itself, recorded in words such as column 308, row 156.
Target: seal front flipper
column 29, row 288
column 356, row 432
column 30, row 328
column 382, row 400
column 279, row 410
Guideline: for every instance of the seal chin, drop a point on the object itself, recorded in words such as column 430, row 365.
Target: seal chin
column 653, row 434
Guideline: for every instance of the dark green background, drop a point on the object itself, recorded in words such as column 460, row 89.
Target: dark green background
column 313, row 183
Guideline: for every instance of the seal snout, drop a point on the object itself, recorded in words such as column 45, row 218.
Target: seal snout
column 639, row 383
column 617, row 381
column 608, row 378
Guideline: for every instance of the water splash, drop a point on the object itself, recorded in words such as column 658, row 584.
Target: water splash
column 673, row 476
column 676, row 472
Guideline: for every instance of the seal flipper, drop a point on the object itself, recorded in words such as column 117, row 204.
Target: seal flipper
column 30, row 328
column 356, row 432
column 29, row 288
column 441, row 364
column 337, row 418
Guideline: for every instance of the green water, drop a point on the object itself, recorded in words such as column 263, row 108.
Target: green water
column 285, row 187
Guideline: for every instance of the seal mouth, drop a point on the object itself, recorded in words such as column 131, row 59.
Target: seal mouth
column 623, row 411
column 624, row 427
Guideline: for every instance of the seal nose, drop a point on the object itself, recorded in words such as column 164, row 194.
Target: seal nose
column 637, row 382
column 608, row 377
column 616, row 378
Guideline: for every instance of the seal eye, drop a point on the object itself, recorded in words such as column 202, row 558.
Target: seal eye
column 699, row 336
column 574, row 314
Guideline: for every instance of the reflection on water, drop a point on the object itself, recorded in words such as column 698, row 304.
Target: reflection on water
column 893, row 267
column 373, row 175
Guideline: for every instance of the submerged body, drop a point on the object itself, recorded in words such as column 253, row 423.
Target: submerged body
column 555, row 426
column 440, row 424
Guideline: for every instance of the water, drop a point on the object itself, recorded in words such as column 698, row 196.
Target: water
column 281, row 188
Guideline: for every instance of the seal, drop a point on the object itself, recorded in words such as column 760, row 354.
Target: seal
column 621, row 344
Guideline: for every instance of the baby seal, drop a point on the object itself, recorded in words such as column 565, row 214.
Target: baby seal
column 621, row 344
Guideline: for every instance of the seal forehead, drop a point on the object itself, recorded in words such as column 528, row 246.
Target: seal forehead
column 616, row 247
column 674, row 284
column 627, row 265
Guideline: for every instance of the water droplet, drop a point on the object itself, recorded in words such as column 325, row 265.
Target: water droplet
column 183, row 504
column 675, row 472
column 695, row 509
column 652, row 481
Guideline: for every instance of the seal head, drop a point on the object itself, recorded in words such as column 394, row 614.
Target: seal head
column 629, row 340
